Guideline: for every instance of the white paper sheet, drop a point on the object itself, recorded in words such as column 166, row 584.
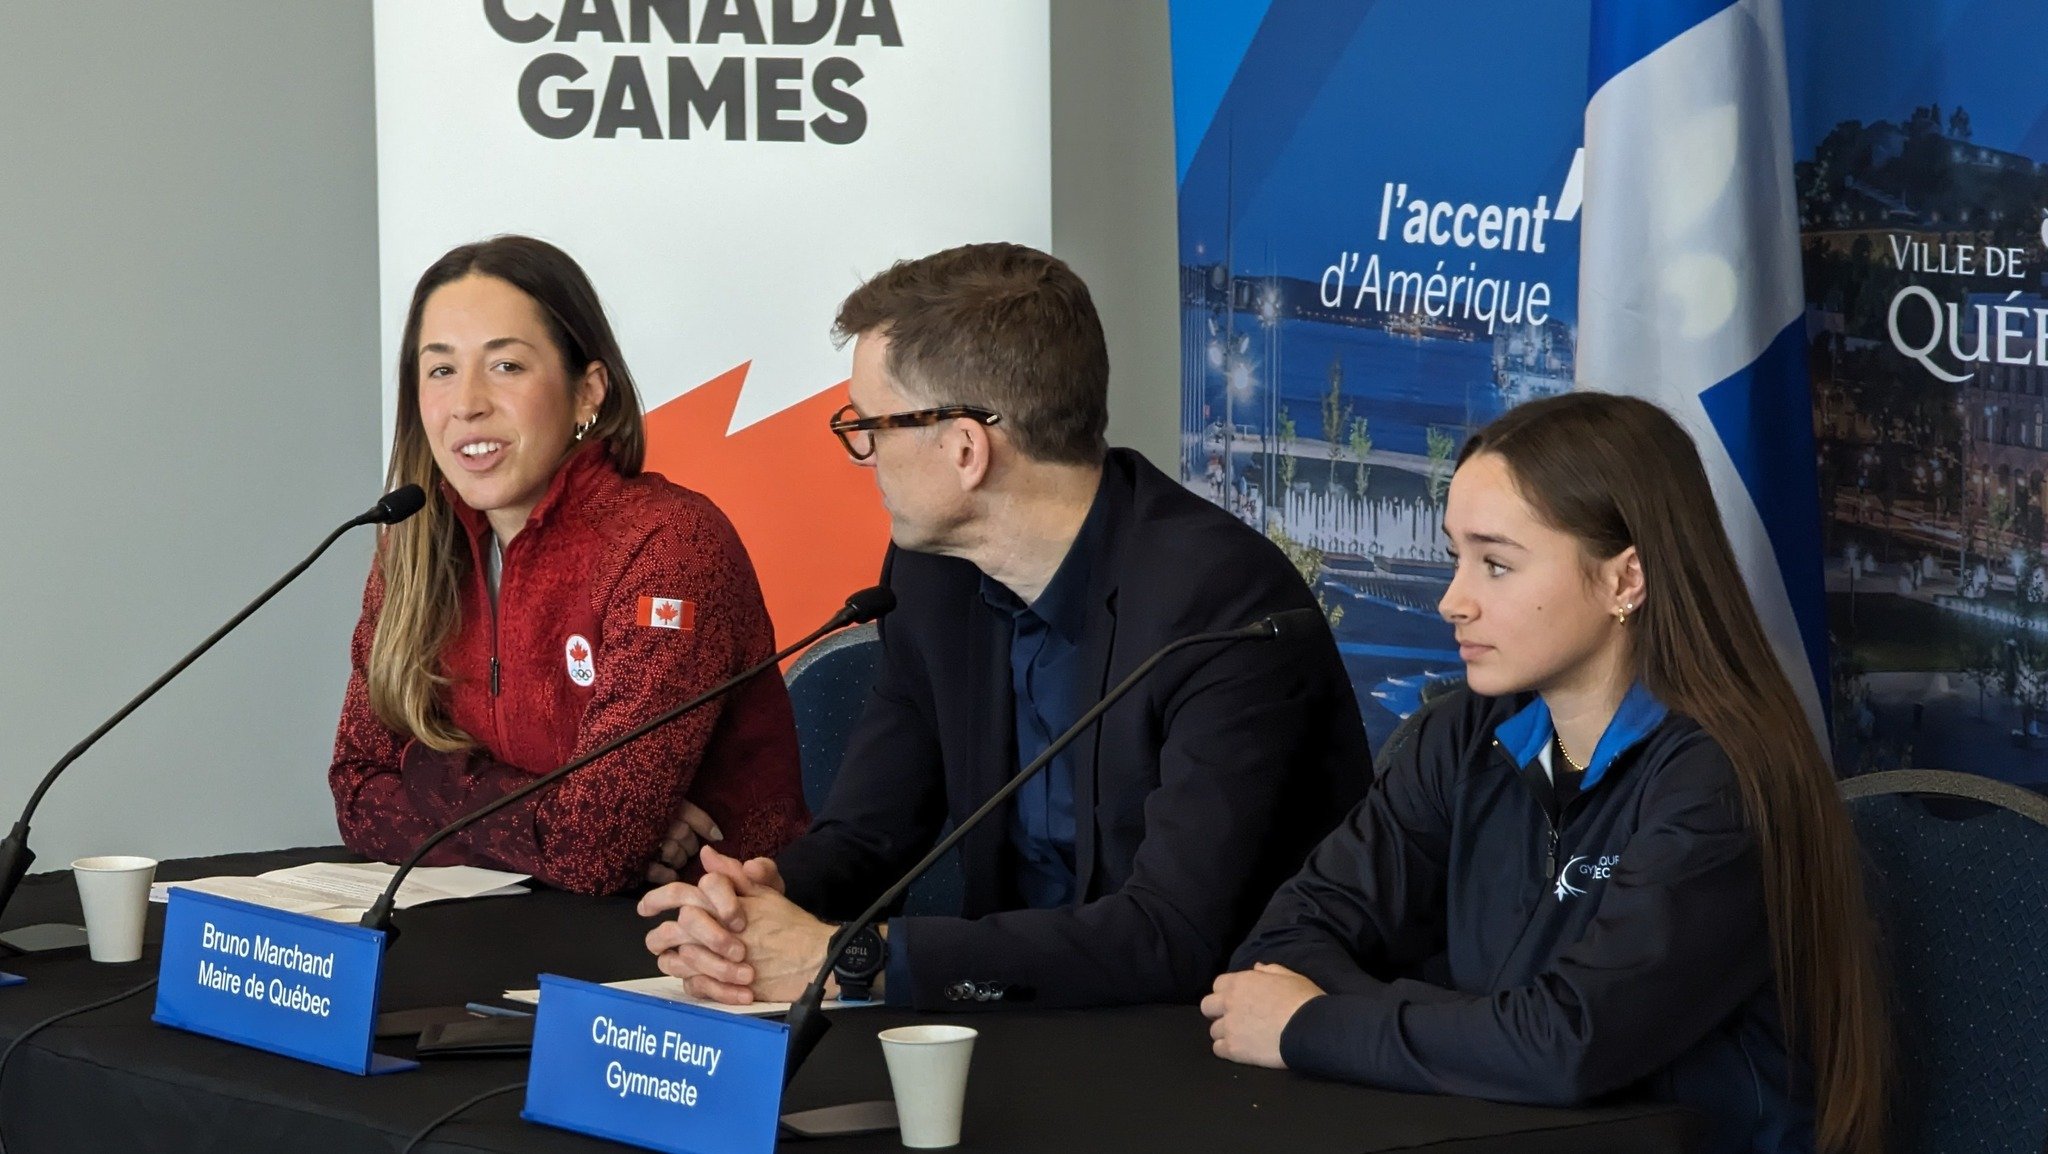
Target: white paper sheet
column 340, row 891
column 672, row 990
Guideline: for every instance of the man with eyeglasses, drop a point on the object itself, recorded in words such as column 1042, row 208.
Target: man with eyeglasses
column 1034, row 568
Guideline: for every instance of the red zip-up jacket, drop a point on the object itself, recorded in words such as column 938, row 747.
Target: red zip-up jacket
column 620, row 598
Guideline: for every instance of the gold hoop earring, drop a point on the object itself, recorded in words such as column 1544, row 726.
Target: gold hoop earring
column 1621, row 614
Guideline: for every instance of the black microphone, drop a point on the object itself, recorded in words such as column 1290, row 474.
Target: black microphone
column 15, row 856
column 859, row 609
column 394, row 507
column 806, row 1021
column 1290, row 624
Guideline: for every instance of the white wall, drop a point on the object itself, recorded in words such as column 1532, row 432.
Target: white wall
column 188, row 352
column 1113, row 202
column 188, row 345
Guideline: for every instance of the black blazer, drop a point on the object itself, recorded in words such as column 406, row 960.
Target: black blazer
column 1195, row 796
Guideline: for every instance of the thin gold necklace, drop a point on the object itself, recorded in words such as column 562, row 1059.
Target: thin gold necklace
column 1562, row 752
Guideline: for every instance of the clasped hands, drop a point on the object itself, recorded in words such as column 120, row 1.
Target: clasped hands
column 735, row 938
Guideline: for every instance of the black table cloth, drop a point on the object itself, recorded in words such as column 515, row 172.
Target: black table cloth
column 1138, row 1078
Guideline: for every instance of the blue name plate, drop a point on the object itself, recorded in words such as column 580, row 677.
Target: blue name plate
column 653, row 1073
column 277, row 981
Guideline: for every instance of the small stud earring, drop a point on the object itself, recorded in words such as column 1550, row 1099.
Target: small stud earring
column 1621, row 614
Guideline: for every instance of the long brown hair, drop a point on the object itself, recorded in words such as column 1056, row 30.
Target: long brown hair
column 1617, row 471
column 424, row 558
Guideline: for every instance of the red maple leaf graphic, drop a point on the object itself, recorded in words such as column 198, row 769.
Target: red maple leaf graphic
column 667, row 611
column 577, row 652
column 806, row 553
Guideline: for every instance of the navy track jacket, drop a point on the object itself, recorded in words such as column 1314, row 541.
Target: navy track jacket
column 1471, row 945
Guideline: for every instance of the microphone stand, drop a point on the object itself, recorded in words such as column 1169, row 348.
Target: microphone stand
column 806, row 1020
column 378, row 917
column 15, row 856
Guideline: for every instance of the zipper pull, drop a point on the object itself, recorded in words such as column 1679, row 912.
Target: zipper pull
column 494, row 693
column 1550, row 863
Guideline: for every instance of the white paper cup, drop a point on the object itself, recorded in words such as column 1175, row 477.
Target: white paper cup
column 928, row 1069
column 115, row 893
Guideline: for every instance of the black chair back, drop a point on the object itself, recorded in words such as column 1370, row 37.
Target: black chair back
column 1958, row 868
column 828, row 689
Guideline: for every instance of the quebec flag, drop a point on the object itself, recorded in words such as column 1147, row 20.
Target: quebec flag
column 1690, row 288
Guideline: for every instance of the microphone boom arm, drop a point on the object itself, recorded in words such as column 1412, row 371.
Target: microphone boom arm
column 15, row 856
column 378, row 917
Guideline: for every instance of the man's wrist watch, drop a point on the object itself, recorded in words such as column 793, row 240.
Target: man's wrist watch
column 865, row 957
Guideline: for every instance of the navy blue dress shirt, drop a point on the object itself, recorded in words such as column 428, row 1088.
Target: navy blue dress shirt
column 1051, row 694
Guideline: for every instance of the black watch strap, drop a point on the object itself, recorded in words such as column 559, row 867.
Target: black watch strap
column 864, row 959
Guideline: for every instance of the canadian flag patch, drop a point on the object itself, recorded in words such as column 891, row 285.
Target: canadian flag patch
column 668, row 613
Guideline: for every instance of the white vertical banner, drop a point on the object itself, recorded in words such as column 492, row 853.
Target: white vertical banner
column 726, row 171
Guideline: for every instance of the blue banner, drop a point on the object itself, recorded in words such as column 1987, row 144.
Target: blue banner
column 1921, row 134
column 654, row 1073
column 1814, row 232
column 277, row 981
column 1379, row 253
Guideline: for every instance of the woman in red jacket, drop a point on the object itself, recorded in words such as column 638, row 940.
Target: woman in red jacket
column 549, row 597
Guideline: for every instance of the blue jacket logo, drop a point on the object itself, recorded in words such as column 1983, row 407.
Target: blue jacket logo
column 1578, row 867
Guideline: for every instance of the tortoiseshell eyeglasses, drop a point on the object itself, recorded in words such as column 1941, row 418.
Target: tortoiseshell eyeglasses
column 857, row 433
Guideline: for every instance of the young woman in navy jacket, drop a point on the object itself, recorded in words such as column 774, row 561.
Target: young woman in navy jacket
column 1616, row 860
